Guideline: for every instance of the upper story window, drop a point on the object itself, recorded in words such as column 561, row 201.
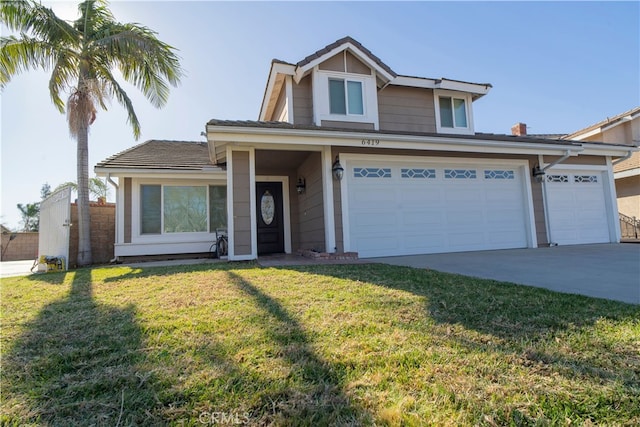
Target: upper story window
column 453, row 112
column 340, row 97
column 345, row 97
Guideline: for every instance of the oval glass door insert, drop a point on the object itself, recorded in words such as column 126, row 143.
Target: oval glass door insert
column 267, row 207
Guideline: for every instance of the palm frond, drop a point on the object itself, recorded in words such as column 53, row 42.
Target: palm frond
column 30, row 17
column 23, row 54
column 113, row 88
column 144, row 61
column 64, row 72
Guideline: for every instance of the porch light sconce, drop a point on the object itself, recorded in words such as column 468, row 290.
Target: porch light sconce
column 301, row 186
column 337, row 169
column 538, row 174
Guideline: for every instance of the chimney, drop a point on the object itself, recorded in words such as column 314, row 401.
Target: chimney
column 519, row 129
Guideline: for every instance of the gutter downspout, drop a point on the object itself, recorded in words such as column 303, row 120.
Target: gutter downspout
column 112, row 182
column 560, row 160
column 622, row 159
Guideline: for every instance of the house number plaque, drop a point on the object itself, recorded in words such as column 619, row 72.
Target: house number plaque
column 370, row 142
column 267, row 207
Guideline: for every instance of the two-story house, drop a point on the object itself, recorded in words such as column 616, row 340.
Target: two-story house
column 349, row 156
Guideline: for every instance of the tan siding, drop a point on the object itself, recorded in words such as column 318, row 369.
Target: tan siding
column 628, row 197
column 578, row 160
column 310, row 205
column 355, row 66
column 631, row 163
column 127, row 210
column 303, row 102
column 347, row 125
column 241, row 203
column 335, row 63
column 406, row 109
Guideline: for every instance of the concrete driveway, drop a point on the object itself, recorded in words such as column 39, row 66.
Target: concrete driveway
column 610, row 271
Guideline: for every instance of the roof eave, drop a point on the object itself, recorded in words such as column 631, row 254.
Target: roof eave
column 277, row 68
column 476, row 89
column 385, row 75
column 259, row 135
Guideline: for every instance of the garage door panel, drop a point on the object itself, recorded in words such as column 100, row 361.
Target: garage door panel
column 465, row 240
column 420, row 196
column 425, row 241
column 509, row 196
column 427, row 217
column 577, row 208
column 441, row 208
column 463, row 195
column 374, row 196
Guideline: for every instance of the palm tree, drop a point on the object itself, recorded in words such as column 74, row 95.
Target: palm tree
column 86, row 52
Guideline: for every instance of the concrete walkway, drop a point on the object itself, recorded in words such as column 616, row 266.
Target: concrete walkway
column 610, row 271
column 15, row 268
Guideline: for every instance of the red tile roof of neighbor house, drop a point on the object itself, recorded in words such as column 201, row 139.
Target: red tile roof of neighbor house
column 154, row 154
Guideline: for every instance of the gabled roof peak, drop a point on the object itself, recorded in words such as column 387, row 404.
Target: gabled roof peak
column 355, row 47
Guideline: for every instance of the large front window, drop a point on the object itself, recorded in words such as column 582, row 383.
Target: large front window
column 182, row 209
column 345, row 97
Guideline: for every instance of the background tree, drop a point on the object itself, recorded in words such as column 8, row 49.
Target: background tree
column 82, row 56
column 45, row 191
column 30, row 216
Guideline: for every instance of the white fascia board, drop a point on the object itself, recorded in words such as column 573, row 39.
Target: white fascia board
column 217, row 173
column 276, row 68
column 252, row 136
column 627, row 173
column 426, row 83
column 463, row 87
column 302, row 71
column 585, row 135
column 607, row 150
column 418, row 82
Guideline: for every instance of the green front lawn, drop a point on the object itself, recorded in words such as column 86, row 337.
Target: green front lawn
column 317, row 345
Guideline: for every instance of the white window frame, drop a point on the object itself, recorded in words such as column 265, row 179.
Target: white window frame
column 136, row 213
column 321, row 98
column 469, row 129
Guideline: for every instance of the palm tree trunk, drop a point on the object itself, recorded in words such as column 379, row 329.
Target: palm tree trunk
column 84, row 219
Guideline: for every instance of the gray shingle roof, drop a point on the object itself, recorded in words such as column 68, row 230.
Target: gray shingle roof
column 340, row 42
column 154, row 154
column 477, row 136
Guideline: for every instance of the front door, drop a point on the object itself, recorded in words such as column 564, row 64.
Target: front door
column 270, row 218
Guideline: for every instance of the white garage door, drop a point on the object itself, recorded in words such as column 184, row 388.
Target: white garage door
column 577, row 208
column 400, row 208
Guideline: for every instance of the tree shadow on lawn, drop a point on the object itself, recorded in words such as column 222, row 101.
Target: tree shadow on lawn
column 313, row 392
column 540, row 328
column 76, row 363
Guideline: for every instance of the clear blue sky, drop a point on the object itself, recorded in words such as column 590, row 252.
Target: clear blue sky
column 558, row 67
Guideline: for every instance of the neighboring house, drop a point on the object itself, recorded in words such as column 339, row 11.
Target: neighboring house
column 621, row 129
column 348, row 156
